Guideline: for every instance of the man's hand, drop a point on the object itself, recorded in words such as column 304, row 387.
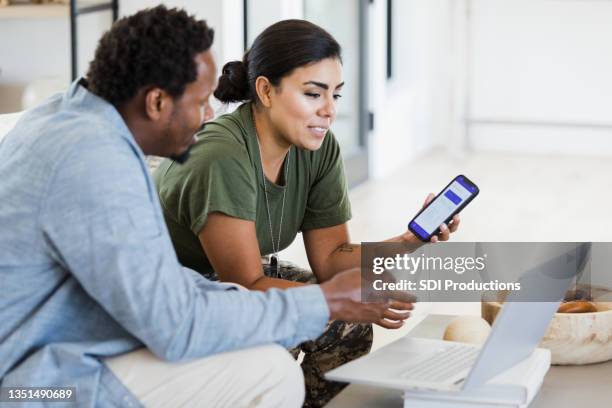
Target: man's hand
column 343, row 296
column 396, row 308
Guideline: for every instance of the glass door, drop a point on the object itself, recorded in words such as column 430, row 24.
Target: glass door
column 346, row 20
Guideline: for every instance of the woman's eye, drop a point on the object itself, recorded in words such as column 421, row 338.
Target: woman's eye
column 337, row 96
column 312, row 95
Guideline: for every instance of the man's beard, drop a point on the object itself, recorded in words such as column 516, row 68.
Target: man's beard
column 182, row 158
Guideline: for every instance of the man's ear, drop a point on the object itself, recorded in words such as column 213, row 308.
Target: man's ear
column 157, row 102
column 264, row 89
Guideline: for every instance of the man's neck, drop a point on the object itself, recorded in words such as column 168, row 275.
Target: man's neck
column 133, row 121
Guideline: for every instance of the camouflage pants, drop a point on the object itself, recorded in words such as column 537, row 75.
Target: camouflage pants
column 340, row 343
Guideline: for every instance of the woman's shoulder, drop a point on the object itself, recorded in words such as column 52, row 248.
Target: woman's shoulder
column 229, row 128
column 220, row 144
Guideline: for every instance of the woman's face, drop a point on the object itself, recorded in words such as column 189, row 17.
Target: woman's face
column 303, row 106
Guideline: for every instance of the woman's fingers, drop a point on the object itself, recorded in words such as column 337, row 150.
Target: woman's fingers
column 454, row 224
column 428, row 199
column 444, row 234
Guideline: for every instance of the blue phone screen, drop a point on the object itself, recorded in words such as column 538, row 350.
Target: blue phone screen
column 442, row 207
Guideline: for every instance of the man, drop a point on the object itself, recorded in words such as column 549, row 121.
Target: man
column 91, row 293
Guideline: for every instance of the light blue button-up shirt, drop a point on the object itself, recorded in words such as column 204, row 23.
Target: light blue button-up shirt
column 87, row 269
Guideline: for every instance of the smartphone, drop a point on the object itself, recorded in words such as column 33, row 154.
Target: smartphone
column 452, row 199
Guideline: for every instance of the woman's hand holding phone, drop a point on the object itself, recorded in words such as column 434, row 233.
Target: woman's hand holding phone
column 438, row 217
column 445, row 230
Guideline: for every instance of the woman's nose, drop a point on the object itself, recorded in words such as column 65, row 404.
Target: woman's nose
column 329, row 109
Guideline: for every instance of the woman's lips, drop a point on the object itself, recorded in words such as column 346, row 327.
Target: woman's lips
column 318, row 131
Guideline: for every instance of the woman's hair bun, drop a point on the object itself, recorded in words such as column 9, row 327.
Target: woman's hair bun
column 233, row 83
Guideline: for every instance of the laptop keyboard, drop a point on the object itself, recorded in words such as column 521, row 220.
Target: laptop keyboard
column 442, row 366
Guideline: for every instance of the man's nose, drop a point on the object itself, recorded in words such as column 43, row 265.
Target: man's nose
column 209, row 113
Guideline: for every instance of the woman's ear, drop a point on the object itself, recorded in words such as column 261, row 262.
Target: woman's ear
column 157, row 102
column 264, row 89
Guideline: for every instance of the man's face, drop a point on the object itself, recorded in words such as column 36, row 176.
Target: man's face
column 190, row 110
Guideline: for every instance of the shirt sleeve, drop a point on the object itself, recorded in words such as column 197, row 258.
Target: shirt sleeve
column 328, row 203
column 101, row 223
column 218, row 178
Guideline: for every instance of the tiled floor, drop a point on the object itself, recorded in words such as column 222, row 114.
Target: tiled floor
column 523, row 198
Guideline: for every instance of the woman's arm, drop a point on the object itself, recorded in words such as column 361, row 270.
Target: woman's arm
column 232, row 248
column 330, row 250
column 233, row 251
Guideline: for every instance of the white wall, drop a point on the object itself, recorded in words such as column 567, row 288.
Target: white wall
column 530, row 76
column 39, row 48
column 262, row 13
column 224, row 16
column 540, row 76
column 414, row 109
column 43, row 49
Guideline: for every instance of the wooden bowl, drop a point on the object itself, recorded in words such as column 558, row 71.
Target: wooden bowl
column 572, row 338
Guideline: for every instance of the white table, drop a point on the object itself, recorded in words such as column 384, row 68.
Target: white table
column 564, row 386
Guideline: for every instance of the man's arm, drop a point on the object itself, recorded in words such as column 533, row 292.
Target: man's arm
column 100, row 221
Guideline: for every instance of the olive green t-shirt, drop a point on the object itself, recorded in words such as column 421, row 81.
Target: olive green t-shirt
column 224, row 174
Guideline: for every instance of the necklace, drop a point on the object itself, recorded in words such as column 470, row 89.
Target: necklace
column 275, row 248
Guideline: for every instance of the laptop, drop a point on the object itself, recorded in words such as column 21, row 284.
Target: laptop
column 412, row 363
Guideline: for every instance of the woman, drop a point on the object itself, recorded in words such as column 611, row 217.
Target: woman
column 272, row 168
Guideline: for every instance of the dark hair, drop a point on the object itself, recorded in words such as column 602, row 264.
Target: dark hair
column 154, row 47
column 276, row 52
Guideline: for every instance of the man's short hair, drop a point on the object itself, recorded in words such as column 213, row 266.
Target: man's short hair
column 155, row 47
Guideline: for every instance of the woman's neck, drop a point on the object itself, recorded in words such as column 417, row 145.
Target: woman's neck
column 273, row 146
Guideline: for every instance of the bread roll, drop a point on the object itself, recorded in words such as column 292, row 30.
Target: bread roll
column 467, row 329
column 578, row 306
